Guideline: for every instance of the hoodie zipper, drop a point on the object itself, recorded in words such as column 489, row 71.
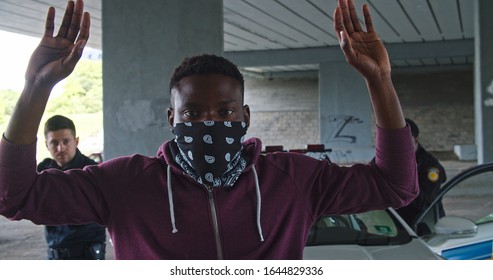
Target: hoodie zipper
column 212, row 204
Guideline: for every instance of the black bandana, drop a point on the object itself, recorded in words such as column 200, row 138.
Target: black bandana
column 210, row 152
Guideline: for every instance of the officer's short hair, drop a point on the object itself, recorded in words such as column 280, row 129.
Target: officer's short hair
column 414, row 127
column 58, row 122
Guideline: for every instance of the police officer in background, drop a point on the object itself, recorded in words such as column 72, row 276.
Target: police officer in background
column 69, row 242
column 431, row 176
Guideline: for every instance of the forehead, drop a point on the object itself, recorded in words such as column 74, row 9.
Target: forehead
column 206, row 89
column 58, row 135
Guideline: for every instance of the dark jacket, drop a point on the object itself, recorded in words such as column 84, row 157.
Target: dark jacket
column 73, row 237
column 431, row 176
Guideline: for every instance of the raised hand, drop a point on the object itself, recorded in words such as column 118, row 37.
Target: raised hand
column 56, row 56
column 52, row 61
column 363, row 50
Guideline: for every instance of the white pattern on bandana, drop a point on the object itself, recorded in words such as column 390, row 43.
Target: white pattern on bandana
column 216, row 162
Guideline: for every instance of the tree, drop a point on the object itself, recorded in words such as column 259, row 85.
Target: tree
column 83, row 91
column 8, row 98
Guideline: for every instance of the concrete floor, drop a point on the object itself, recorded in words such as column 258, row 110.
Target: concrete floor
column 23, row 240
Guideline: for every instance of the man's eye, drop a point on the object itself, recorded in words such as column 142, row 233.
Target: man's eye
column 227, row 112
column 190, row 114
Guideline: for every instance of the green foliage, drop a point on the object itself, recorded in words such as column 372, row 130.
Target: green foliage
column 8, row 98
column 2, row 111
column 83, row 91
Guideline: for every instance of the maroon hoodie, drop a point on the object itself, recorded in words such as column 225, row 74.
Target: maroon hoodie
column 154, row 211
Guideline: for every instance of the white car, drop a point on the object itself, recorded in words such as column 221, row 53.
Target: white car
column 378, row 234
column 465, row 232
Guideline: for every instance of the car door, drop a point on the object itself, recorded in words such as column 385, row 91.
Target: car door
column 466, row 229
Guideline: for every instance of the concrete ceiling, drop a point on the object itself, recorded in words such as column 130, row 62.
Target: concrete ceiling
column 272, row 35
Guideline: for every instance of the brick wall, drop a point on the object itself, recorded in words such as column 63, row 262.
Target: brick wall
column 285, row 111
column 442, row 104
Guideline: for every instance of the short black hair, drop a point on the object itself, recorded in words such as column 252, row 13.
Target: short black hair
column 58, row 122
column 206, row 64
column 414, row 127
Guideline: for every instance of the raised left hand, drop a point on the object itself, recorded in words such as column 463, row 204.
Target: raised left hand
column 363, row 50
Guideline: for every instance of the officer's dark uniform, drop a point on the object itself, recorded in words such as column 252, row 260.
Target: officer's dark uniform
column 431, row 175
column 74, row 242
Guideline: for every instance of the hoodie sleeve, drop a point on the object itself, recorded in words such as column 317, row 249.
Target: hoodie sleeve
column 389, row 181
column 50, row 197
column 17, row 174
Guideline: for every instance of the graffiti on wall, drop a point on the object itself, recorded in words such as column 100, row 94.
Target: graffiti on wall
column 338, row 134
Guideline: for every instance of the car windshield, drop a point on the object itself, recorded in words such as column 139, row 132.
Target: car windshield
column 378, row 227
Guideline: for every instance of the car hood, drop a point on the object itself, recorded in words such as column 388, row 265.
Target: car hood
column 414, row 250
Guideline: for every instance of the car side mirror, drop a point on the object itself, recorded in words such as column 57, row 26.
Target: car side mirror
column 456, row 227
column 450, row 227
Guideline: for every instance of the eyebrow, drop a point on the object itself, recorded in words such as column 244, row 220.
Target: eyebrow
column 54, row 140
column 198, row 104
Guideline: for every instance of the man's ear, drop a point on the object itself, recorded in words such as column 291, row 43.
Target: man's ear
column 246, row 115
column 76, row 141
column 171, row 118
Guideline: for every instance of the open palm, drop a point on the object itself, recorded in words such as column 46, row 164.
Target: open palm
column 363, row 50
column 56, row 56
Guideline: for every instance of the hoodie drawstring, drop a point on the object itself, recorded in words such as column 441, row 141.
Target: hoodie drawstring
column 259, row 200
column 257, row 191
column 171, row 205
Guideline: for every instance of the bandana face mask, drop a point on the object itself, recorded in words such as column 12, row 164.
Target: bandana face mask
column 210, row 152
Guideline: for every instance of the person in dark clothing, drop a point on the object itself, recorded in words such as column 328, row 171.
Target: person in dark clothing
column 80, row 242
column 431, row 176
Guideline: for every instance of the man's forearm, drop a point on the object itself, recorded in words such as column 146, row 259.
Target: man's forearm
column 24, row 123
column 386, row 105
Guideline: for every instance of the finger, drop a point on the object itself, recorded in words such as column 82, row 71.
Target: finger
column 368, row 20
column 75, row 22
column 85, row 27
column 354, row 16
column 50, row 22
column 346, row 17
column 338, row 26
column 67, row 18
column 346, row 44
column 346, row 47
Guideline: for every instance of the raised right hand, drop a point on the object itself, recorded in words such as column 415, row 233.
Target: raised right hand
column 56, row 56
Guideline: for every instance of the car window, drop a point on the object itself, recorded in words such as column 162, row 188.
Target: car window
column 471, row 198
column 377, row 227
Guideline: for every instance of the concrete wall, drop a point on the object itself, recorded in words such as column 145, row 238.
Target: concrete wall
column 284, row 111
column 138, row 62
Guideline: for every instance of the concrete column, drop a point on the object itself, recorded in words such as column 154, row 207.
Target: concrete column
column 483, row 79
column 143, row 42
column 345, row 113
